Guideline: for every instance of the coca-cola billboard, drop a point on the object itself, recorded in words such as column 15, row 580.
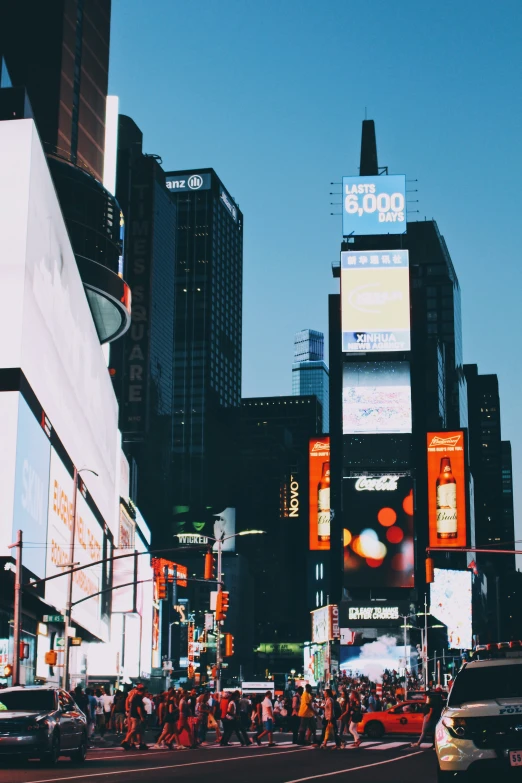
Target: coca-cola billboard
column 378, row 513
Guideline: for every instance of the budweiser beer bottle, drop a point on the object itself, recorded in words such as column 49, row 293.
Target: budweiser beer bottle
column 323, row 505
column 446, row 501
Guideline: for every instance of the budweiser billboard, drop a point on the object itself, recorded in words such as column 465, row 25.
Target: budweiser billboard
column 446, row 489
column 319, row 489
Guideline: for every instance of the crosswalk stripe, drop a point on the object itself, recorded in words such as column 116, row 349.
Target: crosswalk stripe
column 390, row 745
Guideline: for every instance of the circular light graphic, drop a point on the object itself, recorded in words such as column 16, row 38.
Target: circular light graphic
column 407, row 504
column 387, row 517
column 394, row 535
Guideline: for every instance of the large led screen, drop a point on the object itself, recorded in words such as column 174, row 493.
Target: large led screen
column 201, row 524
column 376, row 398
column 451, row 604
column 374, row 205
column 319, row 493
column 446, row 489
column 375, row 301
column 33, row 456
column 378, row 530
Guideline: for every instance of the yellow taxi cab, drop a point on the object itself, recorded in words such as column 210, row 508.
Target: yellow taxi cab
column 403, row 718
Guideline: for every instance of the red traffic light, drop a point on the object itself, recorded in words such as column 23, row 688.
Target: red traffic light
column 229, row 645
column 221, row 605
column 209, row 566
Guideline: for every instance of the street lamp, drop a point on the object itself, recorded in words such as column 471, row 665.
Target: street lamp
column 68, row 605
column 220, row 541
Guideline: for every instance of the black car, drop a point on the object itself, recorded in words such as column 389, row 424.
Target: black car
column 42, row 722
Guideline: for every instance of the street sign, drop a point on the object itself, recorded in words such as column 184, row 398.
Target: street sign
column 53, row 618
column 76, row 641
column 59, row 642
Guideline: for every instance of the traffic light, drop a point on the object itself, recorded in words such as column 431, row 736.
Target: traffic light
column 229, row 645
column 51, row 657
column 209, row 566
column 8, row 670
column 430, row 575
column 221, row 605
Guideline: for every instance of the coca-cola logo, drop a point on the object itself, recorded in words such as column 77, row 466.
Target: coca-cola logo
column 380, row 484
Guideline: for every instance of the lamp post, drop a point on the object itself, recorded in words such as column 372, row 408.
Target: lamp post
column 219, row 541
column 68, row 605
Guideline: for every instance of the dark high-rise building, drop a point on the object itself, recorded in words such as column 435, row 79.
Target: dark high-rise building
column 309, row 370
column 273, row 486
column 142, row 361
column 507, row 491
column 207, row 297
column 59, row 51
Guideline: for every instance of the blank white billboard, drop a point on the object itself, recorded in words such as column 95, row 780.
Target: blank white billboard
column 46, row 319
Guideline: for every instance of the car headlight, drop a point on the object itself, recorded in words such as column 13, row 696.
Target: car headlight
column 457, row 726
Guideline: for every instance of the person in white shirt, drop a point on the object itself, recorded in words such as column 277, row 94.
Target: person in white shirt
column 107, row 702
column 147, row 703
column 267, row 716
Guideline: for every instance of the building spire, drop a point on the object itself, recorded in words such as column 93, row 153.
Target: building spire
column 369, row 164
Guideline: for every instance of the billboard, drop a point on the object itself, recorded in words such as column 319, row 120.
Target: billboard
column 374, row 205
column 375, row 301
column 378, row 530
column 450, row 596
column 325, row 624
column 46, row 312
column 376, row 398
column 188, row 181
column 446, row 489
column 88, row 547
column 33, row 457
column 319, row 492
column 201, row 524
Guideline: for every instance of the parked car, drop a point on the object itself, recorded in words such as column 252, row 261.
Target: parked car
column 42, row 722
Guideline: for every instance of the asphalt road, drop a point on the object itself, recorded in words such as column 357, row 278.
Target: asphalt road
column 391, row 761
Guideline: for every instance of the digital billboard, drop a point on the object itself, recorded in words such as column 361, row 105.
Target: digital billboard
column 374, row 205
column 201, row 524
column 446, row 489
column 451, row 604
column 376, row 398
column 325, row 624
column 33, row 456
column 319, row 492
column 88, row 547
column 378, row 530
column 375, row 301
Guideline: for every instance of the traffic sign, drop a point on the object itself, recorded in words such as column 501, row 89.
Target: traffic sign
column 53, row 618
column 76, row 641
column 59, row 642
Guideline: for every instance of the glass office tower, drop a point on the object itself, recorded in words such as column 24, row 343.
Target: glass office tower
column 207, row 338
column 309, row 371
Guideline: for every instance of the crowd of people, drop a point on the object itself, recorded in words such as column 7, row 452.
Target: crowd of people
column 182, row 718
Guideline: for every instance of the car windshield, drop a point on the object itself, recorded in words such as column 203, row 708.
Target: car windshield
column 27, row 701
column 488, row 682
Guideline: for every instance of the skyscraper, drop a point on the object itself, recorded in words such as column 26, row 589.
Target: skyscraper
column 142, row 362
column 309, row 370
column 59, row 51
column 207, row 338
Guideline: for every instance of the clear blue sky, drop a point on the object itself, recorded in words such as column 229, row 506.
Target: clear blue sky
column 271, row 94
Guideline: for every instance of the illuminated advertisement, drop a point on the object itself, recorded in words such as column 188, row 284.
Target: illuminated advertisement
column 376, row 398
column 374, row 205
column 451, row 604
column 378, row 531
column 201, row 524
column 375, row 301
column 33, row 457
column 313, row 668
column 446, row 489
column 325, row 624
column 88, row 547
column 187, row 182
column 319, row 489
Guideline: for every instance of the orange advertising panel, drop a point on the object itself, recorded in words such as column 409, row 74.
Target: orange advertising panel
column 446, row 489
column 319, row 489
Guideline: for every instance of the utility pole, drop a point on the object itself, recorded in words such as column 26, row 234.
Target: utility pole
column 17, row 608
column 425, row 645
column 68, row 605
column 218, row 622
